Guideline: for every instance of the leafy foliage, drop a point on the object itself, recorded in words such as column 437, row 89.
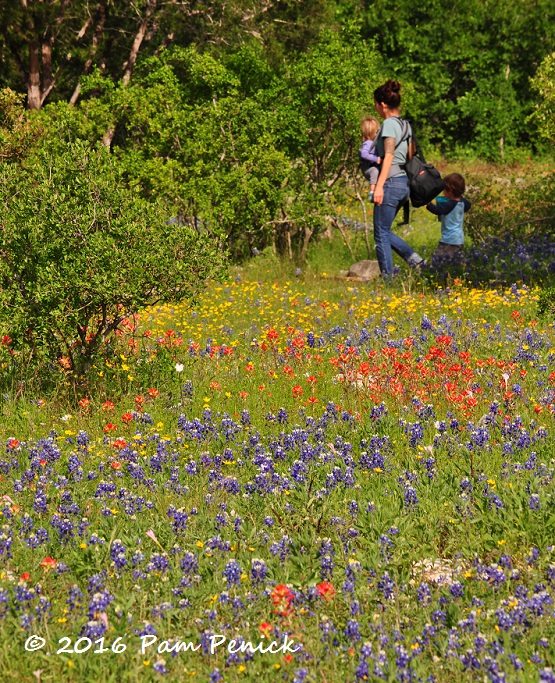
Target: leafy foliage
column 515, row 205
column 254, row 156
column 544, row 84
column 80, row 252
column 470, row 65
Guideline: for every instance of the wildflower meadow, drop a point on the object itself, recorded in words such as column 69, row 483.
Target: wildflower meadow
column 293, row 481
column 221, row 458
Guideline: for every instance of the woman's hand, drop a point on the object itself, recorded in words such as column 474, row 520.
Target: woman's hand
column 389, row 148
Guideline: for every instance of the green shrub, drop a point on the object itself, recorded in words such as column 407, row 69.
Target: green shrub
column 80, row 252
column 544, row 84
column 515, row 205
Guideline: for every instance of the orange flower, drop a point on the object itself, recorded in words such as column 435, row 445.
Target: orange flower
column 326, row 590
column 297, row 390
column 84, row 403
column 265, row 628
column 109, row 428
column 120, row 443
column 127, row 417
column 48, row 563
column 25, row 576
column 282, row 597
column 153, row 393
column 108, row 406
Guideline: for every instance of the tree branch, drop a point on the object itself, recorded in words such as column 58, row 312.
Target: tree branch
column 139, row 37
column 101, row 7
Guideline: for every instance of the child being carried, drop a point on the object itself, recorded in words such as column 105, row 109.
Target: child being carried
column 369, row 160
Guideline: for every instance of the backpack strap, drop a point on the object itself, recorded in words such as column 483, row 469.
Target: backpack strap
column 418, row 150
column 406, row 134
column 406, row 129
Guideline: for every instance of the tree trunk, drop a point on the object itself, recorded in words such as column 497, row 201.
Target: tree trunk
column 33, row 79
column 139, row 37
column 95, row 40
column 46, row 56
column 307, row 235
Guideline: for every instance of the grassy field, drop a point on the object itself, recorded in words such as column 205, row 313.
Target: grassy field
column 358, row 473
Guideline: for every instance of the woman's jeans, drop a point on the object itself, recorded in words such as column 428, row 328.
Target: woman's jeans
column 395, row 194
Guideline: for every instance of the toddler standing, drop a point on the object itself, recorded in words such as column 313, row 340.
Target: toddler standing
column 450, row 210
column 369, row 160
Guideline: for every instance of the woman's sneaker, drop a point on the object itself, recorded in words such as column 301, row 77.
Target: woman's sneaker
column 416, row 261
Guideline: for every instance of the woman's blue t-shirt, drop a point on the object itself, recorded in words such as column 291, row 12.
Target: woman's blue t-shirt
column 394, row 128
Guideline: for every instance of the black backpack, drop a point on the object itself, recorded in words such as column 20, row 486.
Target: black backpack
column 424, row 179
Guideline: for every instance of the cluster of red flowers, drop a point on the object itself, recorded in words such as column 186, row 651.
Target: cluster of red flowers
column 282, row 597
column 395, row 373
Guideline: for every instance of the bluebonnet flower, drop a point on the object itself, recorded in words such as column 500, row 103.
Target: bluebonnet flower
column 99, row 603
column 93, row 629
column 259, row 571
column 326, row 554
column 96, row 582
column 386, row 585
column 117, row 553
column 456, row 589
column 160, row 667
column 534, row 502
column 282, row 548
column 385, row 544
column 352, row 630
column 232, row 572
column 157, row 563
column 65, row 528
column 534, row 555
column 423, row 594
column 300, row 675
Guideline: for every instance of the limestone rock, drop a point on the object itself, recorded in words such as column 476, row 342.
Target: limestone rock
column 365, row 270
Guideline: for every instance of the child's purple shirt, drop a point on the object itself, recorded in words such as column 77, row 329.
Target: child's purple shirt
column 367, row 151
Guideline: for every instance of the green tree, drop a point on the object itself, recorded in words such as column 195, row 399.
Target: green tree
column 460, row 57
column 255, row 155
column 319, row 103
column 47, row 47
column 544, row 84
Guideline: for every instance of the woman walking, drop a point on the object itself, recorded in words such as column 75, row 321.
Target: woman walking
column 394, row 145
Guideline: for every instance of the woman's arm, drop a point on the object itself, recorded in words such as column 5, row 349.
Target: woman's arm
column 389, row 151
